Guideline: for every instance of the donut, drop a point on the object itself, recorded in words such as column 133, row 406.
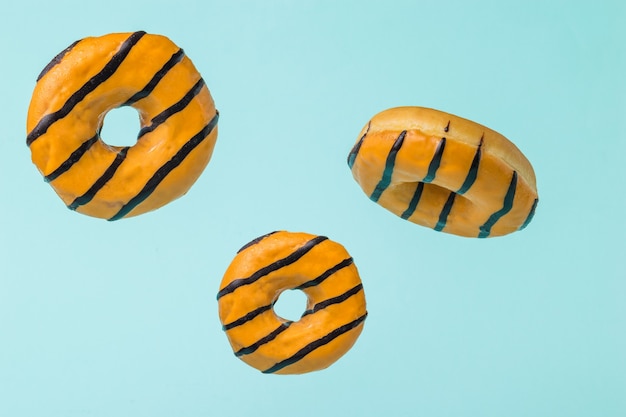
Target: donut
column 444, row 172
column 94, row 75
column 280, row 261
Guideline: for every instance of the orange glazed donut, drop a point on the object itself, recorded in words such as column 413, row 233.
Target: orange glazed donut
column 94, row 75
column 444, row 172
column 280, row 261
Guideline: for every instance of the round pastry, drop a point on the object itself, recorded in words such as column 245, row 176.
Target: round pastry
column 281, row 261
column 94, row 75
column 444, row 172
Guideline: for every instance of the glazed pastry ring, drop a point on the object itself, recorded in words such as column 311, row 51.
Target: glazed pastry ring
column 444, row 172
column 94, row 75
column 281, row 261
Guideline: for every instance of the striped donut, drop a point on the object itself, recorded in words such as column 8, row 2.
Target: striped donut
column 280, row 261
column 94, row 75
column 444, row 172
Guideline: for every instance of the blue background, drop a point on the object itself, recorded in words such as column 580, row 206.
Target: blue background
column 103, row 319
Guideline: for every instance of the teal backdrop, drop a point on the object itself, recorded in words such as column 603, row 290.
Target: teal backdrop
column 120, row 318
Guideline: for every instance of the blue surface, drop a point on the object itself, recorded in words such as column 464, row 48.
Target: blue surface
column 120, row 318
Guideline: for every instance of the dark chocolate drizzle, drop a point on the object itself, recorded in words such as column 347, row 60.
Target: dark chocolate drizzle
column 316, row 281
column 389, row 165
column 253, row 347
column 166, row 168
column 255, row 241
column 414, row 201
column 443, row 216
column 58, row 58
column 316, row 344
column 507, row 205
column 274, row 266
column 530, row 216
column 109, row 69
column 147, row 90
column 100, row 182
column 251, row 315
column 173, row 109
column 435, row 162
column 73, row 158
column 357, row 146
column 335, row 300
column 473, row 171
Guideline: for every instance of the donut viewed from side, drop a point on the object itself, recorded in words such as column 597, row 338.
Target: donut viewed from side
column 281, row 261
column 444, row 172
column 94, row 75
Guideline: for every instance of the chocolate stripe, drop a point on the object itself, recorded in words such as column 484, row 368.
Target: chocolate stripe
column 74, row 157
column 106, row 72
column 389, row 164
column 162, row 172
column 56, row 60
column 175, row 108
column 436, row 161
column 255, row 241
column 343, row 264
column 357, row 147
column 274, row 266
column 335, row 300
column 316, row 344
column 414, row 201
column 251, row 315
column 485, row 229
column 100, row 182
column 250, row 349
column 145, row 92
column 473, row 171
column 530, row 216
column 443, row 216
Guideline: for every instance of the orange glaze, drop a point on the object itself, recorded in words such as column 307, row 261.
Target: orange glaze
column 95, row 75
column 282, row 261
column 444, row 172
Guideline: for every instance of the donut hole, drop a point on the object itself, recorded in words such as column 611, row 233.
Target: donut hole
column 291, row 304
column 120, row 127
column 417, row 191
